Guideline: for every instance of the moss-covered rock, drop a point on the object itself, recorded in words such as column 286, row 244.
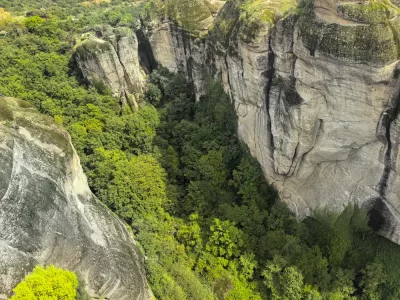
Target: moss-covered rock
column 41, row 127
column 6, row 113
column 108, row 59
column 370, row 12
column 246, row 19
column 373, row 43
column 224, row 25
column 258, row 13
column 91, row 47
column 194, row 16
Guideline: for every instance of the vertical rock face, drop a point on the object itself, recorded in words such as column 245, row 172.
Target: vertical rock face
column 110, row 58
column 317, row 98
column 177, row 50
column 48, row 215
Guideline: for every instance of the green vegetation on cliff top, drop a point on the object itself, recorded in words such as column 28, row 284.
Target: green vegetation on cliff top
column 189, row 15
column 193, row 15
column 265, row 11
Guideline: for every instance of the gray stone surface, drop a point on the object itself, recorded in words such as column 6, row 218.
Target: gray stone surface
column 48, row 215
column 110, row 57
column 317, row 101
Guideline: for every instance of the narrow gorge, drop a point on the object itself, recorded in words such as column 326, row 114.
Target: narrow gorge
column 315, row 94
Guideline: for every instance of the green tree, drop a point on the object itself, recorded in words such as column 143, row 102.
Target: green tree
column 226, row 239
column 342, row 284
column 190, row 235
column 140, row 129
column 153, row 94
column 250, row 184
column 47, row 283
column 284, row 282
column 33, row 23
column 212, row 168
column 138, row 187
column 373, row 276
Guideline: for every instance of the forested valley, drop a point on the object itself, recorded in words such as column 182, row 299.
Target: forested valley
column 174, row 170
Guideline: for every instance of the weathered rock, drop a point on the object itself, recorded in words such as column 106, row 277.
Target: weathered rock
column 317, row 99
column 48, row 214
column 110, row 59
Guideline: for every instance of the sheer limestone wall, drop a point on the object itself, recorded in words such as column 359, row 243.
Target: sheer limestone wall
column 316, row 94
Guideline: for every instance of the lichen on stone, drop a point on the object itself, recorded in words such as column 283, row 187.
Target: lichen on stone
column 372, row 43
column 372, row 12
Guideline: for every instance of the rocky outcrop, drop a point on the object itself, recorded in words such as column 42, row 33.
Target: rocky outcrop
column 108, row 58
column 316, row 95
column 48, row 214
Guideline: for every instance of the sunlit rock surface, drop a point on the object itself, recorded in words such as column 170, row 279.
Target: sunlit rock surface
column 316, row 95
column 48, row 215
column 108, row 58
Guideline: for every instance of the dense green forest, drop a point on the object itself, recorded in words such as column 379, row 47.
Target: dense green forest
column 208, row 223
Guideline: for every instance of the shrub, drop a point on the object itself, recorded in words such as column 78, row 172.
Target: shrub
column 153, row 94
column 47, row 283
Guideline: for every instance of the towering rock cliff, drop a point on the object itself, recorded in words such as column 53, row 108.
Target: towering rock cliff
column 109, row 57
column 48, row 215
column 316, row 90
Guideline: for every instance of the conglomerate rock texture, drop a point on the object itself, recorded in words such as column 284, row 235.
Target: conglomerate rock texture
column 316, row 94
column 48, row 215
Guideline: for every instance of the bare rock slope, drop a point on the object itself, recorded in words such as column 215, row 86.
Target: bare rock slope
column 48, row 215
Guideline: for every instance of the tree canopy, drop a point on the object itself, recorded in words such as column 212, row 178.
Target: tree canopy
column 48, row 283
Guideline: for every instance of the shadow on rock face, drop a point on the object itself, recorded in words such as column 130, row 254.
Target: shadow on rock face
column 377, row 213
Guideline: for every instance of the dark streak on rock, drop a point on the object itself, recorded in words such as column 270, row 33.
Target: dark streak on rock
column 270, row 75
column 146, row 56
column 379, row 212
